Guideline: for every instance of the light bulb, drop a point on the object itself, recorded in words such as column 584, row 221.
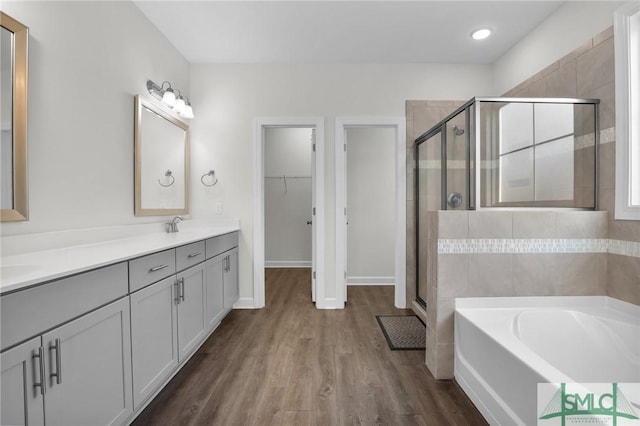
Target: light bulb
column 187, row 112
column 169, row 98
column 180, row 105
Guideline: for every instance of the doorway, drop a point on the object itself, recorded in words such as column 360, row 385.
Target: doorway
column 288, row 197
column 263, row 127
column 392, row 131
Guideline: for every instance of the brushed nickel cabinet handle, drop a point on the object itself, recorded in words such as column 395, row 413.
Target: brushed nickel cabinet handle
column 157, row 268
column 58, row 348
column 194, row 255
column 177, row 292
column 42, row 384
column 182, row 288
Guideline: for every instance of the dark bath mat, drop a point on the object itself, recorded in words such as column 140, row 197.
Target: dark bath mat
column 403, row 332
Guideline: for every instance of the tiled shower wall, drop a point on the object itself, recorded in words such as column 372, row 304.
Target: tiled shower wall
column 588, row 72
column 526, row 253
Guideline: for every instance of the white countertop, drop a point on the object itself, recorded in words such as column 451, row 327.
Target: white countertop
column 25, row 269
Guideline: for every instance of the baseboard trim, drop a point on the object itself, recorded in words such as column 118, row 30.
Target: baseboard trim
column 370, row 280
column 287, row 264
column 244, row 303
column 329, row 303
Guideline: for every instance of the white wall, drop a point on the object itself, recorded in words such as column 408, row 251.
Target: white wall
column 287, row 205
column 561, row 33
column 370, row 204
column 227, row 98
column 87, row 60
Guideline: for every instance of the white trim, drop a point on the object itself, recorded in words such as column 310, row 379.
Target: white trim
column 259, row 124
column 372, row 281
column 624, row 134
column 287, row 264
column 401, row 202
column 244, row 303
column 331, row 303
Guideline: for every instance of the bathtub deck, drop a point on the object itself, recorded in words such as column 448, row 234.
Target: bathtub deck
column 290, row 364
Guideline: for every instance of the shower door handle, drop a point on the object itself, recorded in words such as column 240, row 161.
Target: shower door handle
column 454, row 199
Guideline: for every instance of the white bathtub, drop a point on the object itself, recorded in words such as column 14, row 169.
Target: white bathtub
column 505, row 346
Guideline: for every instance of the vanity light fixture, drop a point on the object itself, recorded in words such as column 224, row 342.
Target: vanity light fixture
column 481, row 34
column 167, row 95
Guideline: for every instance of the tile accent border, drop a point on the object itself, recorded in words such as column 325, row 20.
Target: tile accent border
column 624, row 248
column 607, row 135
column 548, row 245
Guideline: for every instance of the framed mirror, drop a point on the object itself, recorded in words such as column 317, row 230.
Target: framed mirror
column 161, row 161
column 13, row 119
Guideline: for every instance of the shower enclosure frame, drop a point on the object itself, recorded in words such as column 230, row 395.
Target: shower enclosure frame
column 472, row 197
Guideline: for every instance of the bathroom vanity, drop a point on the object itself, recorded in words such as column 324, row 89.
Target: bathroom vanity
column 91, row 333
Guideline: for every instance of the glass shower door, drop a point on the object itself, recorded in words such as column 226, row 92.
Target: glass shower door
column 428, row 202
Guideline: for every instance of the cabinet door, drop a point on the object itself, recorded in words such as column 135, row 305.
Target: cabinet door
column 154, row 336
column 214, row 291
column 191, row 310
column 21, row 402
column 89, row 363
column 231, row 279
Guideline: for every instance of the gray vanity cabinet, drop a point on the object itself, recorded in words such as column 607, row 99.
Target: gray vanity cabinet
column 21, row 401
column 105, row 341
column 215, row 290
column 89, row 368
column 167, row 324
column 221, row 277
column 75, row 333
column 231, row 291
column 154, row 336
column 191, row 310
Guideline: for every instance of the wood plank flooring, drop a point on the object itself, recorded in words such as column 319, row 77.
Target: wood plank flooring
column 291, row 364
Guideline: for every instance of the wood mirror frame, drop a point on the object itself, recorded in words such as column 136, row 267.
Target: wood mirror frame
column 142, row 208
column 20, row 206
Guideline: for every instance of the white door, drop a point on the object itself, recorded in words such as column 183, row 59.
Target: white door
column 313, row 215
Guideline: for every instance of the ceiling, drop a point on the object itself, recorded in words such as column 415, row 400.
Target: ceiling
column 344, row 31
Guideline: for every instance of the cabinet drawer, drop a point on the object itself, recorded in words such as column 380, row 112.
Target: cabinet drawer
column 29, row 312
column 189, row 255
column 149, row 269
column 217, row 245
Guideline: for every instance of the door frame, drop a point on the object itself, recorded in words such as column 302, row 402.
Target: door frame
column 259, row 125
column 400, row 249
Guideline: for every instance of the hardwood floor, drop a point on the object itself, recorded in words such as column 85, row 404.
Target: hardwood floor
column 291, row 364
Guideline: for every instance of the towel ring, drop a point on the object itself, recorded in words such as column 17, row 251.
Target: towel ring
column 169, row 174
column 211, row 173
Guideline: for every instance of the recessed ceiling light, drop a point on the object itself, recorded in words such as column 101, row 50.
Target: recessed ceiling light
column 481, row 34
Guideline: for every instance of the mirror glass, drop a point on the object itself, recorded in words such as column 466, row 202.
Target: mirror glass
column 6, row 118
column 162, row 165
column 13, row 119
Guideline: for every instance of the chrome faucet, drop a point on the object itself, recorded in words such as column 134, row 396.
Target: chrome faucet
column 173, row 225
